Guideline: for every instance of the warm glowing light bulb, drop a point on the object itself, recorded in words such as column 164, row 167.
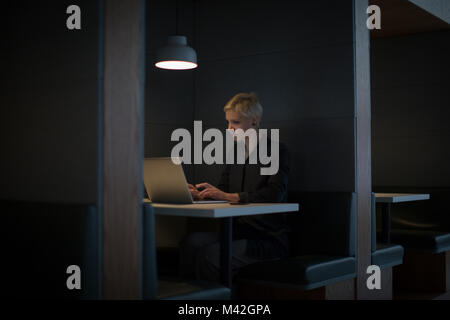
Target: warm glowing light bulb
column 176, row 65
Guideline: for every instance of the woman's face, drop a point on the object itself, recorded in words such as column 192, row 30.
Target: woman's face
column 237, row 121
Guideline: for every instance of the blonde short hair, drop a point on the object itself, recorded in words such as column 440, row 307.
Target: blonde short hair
column 247, row 104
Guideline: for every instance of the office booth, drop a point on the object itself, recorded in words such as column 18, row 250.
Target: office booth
column 361, row 111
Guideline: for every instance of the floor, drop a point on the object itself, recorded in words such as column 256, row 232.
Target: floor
column 421, row 296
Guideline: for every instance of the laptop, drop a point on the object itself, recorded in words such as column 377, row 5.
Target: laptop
column 165, row 182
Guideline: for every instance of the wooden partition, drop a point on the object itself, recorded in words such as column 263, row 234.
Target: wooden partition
column 122, row 148
column 363, row 179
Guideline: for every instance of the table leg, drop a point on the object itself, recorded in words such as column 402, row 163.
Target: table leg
column 386, row 223
column 226, row 235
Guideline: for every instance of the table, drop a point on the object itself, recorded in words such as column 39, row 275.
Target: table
column 225, row 212
column 386, row 199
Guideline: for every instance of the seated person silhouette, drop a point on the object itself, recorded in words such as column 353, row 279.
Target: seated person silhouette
column 257, row 237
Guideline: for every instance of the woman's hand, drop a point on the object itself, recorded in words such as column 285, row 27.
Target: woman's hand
column 194, row 191
column 212, row 192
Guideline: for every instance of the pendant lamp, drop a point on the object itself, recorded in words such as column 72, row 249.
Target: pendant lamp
column 176, row 55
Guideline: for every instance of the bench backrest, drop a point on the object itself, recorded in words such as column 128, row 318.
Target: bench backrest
column 39, row 242
column 326, row 223
column 150, row 269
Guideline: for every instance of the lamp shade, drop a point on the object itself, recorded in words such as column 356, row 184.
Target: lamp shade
column 177, row 55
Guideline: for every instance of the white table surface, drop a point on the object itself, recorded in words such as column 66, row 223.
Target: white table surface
column 222, row 210
column 400, row 197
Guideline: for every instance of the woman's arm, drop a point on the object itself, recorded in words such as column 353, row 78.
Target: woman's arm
column 274, row 191
column 212, row 192
column 219, row 193
column 277, row 184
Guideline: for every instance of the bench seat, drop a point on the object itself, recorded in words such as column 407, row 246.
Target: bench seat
column 302, row 272
column 387, row 255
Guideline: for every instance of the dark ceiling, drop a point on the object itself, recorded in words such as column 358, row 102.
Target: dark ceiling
column 401, row 17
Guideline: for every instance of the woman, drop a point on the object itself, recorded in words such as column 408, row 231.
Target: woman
column 255, row 238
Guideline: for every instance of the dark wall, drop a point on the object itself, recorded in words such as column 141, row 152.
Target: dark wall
column 410, row 110
column 169, row 97
column 49, row 103
column 49, row 109
column 298, row 57
column 169, row 102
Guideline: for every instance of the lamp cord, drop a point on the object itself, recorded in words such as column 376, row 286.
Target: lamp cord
column 176, row 18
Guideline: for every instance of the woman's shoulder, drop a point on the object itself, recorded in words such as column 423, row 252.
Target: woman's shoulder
column 283, row 152
column 281, row 146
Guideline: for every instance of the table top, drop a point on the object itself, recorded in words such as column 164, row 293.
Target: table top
column 221, row 210
column 400, row 197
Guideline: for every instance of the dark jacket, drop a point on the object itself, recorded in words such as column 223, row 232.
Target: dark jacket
column 266, row 234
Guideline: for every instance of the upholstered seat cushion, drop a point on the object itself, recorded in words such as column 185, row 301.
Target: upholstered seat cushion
column 429, row 240
column 387, row 255
column 308, row 271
